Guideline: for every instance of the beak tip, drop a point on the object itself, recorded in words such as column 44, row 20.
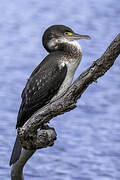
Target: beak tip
column 88, row 37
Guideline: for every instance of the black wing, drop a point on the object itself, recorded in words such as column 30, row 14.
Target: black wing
column 42, row 85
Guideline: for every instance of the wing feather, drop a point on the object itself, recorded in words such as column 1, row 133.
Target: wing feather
column 42, row 85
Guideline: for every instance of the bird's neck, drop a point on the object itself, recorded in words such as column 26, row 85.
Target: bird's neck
column 72, row 48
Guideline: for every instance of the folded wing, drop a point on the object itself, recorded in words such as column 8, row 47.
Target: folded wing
column 41, row 87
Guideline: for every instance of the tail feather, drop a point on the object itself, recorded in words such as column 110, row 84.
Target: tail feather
column 16, row 151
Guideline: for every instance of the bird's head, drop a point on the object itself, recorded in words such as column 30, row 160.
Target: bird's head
column 57, row 35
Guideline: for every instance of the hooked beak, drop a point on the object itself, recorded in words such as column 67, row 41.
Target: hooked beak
column 75, row 36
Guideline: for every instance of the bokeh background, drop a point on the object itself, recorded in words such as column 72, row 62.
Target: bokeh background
column 88, row 144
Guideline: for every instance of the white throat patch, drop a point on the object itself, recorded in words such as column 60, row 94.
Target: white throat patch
column 53, row 43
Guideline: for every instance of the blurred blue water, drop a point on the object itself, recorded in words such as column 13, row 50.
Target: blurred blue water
column 88, row 144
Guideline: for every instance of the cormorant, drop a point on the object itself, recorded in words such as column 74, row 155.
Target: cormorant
column 51, row 77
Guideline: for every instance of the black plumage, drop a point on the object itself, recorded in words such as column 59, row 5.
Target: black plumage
column 51, row 77
column 42, row 85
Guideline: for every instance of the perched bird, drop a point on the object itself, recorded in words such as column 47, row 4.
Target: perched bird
column 52, row 77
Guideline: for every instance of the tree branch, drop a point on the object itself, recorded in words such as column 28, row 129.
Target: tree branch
column 28, row 133
column 45, row 138
column 68, row 101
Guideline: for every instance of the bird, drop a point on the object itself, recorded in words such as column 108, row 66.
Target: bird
column 52, row 77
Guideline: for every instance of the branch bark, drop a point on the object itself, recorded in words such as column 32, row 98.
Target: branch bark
column 29, row 134
column 45, row 138
column 68, row 101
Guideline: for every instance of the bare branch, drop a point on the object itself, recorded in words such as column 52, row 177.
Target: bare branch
column 45, row 137
column 40, row 139
column 33, row 139
column 17, row 168
column 68, row 101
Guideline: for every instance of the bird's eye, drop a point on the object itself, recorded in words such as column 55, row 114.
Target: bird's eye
column 69, row 33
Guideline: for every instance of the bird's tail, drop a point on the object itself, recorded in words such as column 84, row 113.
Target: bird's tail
column 16, row 151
